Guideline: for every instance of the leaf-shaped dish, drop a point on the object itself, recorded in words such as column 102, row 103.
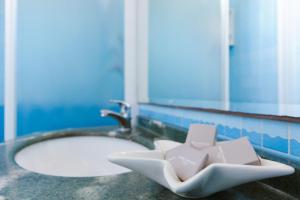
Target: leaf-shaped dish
column 214, row 178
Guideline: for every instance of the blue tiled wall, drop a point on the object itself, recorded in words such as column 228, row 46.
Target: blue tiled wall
column 69, row 62
column 295, row 139
column 276, row 137
column 252, row 128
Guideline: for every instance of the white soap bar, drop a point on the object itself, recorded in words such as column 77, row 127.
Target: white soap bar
column 201, row 136
column 214, row 155
column 186, row 161
column 239, row 151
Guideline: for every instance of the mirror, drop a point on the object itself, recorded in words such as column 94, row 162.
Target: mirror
column 233, row 55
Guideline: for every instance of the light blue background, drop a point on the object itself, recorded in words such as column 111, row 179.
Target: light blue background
column 253, row 58
column 185, row 52
column 1, row 70
column 70, row 62
column 185, row 57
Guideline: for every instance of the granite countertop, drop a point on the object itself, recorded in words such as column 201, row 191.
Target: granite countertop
column 19, row 184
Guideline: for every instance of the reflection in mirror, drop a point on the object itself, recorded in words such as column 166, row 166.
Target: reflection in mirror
column 186, row 53
column 253, row 57
column 236, row 55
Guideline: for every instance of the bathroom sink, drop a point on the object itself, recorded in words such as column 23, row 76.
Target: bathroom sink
column 80, row 156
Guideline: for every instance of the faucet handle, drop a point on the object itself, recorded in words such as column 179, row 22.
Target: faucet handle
column 125, row 107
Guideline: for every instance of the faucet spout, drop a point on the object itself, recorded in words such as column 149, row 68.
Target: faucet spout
column 123, row 117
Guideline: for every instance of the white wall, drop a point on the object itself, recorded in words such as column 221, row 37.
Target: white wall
column 136, row 53
column 225, row 34
column 130, row 75
column 10, row 70
column 142, row 51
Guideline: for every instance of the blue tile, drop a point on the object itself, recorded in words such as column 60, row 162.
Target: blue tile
column 232, row 126
column 233, row 133
column 194, row 115
column 163, row 118
column 233, row 121
column 295, row 147
column 175, row 120
column 208, row 118
column 143, row 112
column 295, row 139
column 275, row 143
column 275, row 135
column 169, row 119
column 252, row 129
column 219, row 119
column 196, row 121
column 185, row 122
column 220, row 129
column 275, row 128
column 154, row 115
column 1, row 123
column 254, row 137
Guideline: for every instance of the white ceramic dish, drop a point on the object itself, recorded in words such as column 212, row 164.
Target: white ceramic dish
column 212, row 179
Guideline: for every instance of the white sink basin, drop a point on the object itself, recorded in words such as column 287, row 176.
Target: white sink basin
column 84, row 156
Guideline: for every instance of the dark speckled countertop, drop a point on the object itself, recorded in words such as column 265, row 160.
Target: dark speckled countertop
column 19, row 184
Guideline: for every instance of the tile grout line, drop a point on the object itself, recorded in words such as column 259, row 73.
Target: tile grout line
column 261, row 133
column 241, row 126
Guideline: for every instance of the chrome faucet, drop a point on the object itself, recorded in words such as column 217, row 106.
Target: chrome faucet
column 123, row 117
